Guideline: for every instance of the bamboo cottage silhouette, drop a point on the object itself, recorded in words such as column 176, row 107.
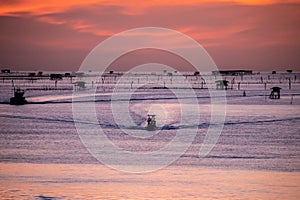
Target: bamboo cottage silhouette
column 275, row 93
column 221, row 84
column 79, row 85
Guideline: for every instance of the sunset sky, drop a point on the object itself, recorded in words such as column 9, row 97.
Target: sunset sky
column 238, row 34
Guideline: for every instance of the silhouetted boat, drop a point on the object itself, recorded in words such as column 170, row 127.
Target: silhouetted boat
column 151, row 123
column 19, row 98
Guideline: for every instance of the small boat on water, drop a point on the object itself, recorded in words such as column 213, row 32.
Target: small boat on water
column 151, row 123
column 18, row 98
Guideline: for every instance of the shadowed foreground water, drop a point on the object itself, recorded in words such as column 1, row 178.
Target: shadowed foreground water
column 65, row 181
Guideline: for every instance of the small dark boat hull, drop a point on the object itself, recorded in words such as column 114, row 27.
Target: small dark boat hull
column 17, row 101
column 151, row 128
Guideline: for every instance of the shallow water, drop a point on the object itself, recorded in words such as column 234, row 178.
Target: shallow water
column 42, row 156
column 85, row 181
column 254, row 137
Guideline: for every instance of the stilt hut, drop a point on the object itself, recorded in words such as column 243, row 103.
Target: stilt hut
column 275, row 93
column 79, row 85
column 221, row 84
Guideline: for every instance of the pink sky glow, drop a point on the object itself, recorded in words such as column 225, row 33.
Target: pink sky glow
column 57, row 35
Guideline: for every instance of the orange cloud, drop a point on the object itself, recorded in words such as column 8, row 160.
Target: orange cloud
column 37, row 7
column 228, row 27
column 43, row 7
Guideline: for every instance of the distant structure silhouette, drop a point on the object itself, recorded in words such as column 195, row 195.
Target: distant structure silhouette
column 79, row 85
column 232, row 72
column 5, row 71
column 221, row 84
column 56, row 76
column 18, row 98
column 275, row 93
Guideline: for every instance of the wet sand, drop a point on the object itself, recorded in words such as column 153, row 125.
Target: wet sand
column 69, row 181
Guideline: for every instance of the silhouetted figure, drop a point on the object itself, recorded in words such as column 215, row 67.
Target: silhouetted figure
column 265, row 85
column 148, row 120
column 292, row 97
column 244, row 93
column 275, row 93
